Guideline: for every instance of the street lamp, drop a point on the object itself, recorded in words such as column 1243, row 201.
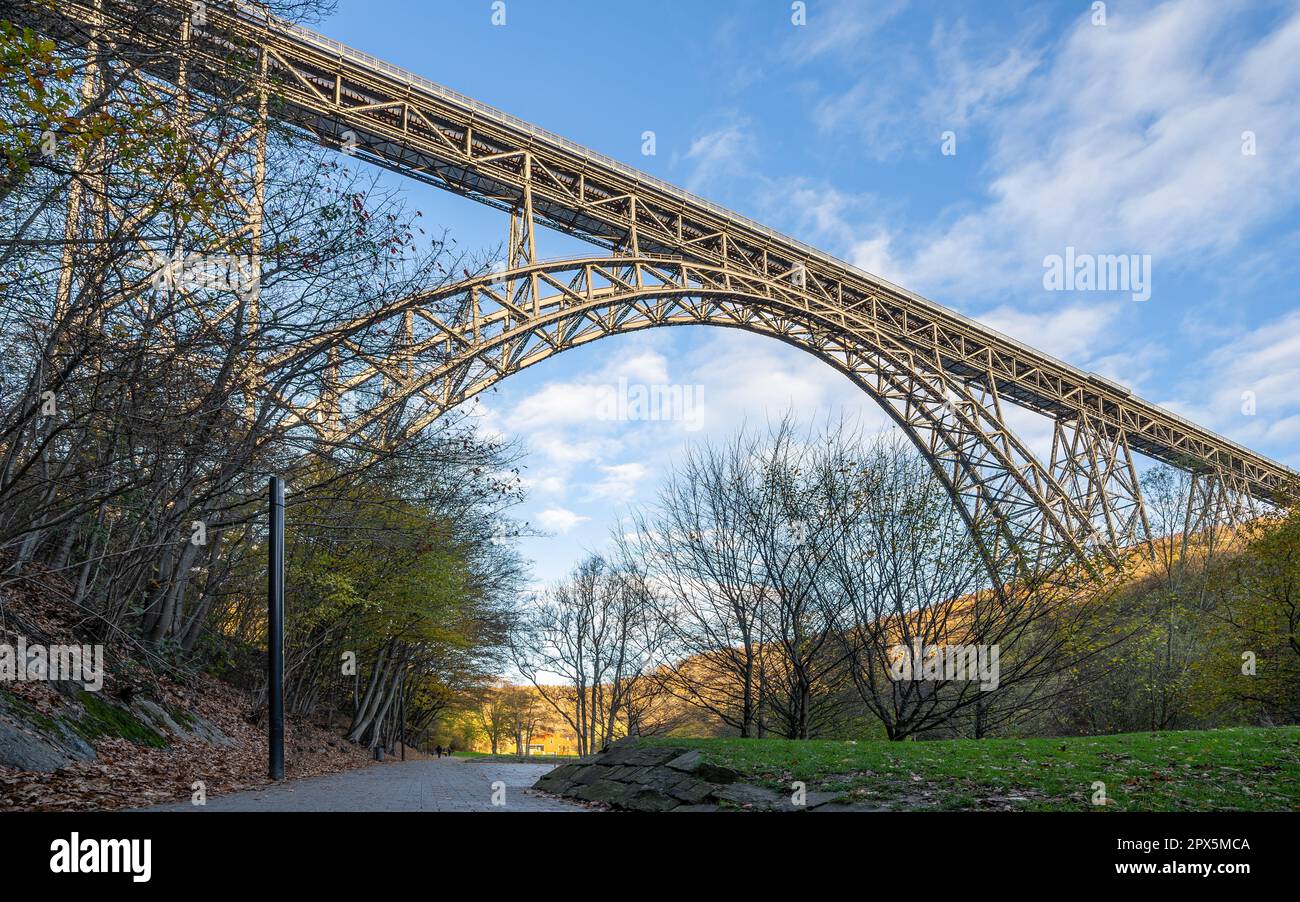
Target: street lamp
column 275, row 631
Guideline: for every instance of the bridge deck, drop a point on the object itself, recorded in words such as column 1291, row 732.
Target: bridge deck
column 428, row 132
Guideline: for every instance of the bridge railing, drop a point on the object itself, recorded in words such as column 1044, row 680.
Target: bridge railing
column 525, row 127
column 261, row 17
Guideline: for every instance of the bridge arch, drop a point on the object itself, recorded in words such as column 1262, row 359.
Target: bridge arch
column 1085, row 500
column 478, row 331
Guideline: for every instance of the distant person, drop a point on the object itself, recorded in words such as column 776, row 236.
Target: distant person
column 438, row 749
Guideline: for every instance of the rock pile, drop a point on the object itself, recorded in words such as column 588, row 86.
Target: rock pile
column 39, row 742
column 662, row 778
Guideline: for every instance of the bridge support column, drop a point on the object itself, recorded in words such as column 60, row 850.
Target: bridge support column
column 92, row 84
column 1095, row 467
column 1217, row 501
column 521, row 248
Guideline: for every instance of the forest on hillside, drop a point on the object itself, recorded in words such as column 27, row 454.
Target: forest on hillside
column 158, row 342
column 769, row 591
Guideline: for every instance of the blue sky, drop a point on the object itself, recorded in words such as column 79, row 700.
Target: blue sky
column 1122, row 138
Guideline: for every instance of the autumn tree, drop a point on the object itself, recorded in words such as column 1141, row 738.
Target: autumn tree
column 584, row 645
column 167, row 314
column 1250, row 670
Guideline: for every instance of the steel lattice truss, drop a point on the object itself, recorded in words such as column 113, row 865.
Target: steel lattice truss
column 676, row 259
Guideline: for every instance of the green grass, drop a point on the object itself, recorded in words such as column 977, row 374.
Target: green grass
column 1245, row 769
column 102, row 718
column 523, row 759
column 28, row 713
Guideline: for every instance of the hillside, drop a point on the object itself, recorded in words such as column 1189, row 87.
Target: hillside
column 147, row 736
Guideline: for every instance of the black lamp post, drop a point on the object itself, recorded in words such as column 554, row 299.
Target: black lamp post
column 275, row 631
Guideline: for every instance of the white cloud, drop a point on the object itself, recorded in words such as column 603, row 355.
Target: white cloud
column 620, row 481
column 839, row 26
column 968, row 91
column 718, row 153
column 873, row 255
column 849, row 225
column 566, row 403
column 955, row 87
column 562, row 448
column 776, row 380
column 555, row 404
column 1265, row 361
column 643, row 366
column 1131, row 143
column 559, row 520
column 1070, row 333
column 546, row 485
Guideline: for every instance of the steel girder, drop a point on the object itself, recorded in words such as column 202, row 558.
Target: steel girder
column 941, row 375
column 1096, row 469
column 513, row 319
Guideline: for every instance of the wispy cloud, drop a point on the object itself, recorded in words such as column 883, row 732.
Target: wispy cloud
column 1070, row 333
column 968, row 89
column 839, row 27
column 1249, row 388
column 1131, row 141
column 905, row 96
column 559, row 520
column 721, row 152
column 619, row 482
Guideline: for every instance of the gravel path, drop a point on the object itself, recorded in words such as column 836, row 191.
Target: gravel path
column 446, row 784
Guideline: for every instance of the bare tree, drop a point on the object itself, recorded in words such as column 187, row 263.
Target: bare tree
column 806, row 499
column 934, row 643
column 696, row 549
column 587, row 632
column 167, row 314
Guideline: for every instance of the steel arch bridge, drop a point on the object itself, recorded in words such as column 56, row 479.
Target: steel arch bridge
column 672, row 259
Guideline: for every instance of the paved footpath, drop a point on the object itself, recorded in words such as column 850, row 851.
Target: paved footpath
column 441, row 784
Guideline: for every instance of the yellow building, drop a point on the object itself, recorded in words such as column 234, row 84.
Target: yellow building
column 547, row 743
column 543, row 742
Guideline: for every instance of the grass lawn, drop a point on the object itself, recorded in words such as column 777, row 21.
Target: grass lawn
column 1246, row 769
column 522, row 759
